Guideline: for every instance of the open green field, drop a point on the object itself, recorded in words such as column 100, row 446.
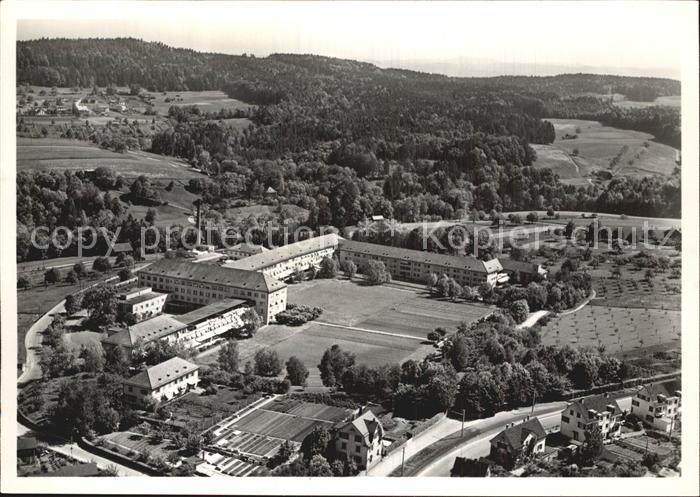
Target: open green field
column 207, row 101
column 48, row 154
column 383, row 308
column 618, row 329
column 303, row 409
column 597, row 145
column 669, row 101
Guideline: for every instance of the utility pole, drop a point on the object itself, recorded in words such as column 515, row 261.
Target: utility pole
column 403, row 458
column 462, row 432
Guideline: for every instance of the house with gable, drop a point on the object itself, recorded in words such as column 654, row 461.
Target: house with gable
column 518, row 443
column 360, row 440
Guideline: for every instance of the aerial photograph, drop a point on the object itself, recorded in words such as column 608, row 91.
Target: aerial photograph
column 435, row 245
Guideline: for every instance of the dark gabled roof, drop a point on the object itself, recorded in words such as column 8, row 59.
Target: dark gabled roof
column 86, row 469
column 519, row 266
column 452, row 261
column 162, row 374
column 667, row 388
column 214, row 274
column 151, row 329
column 283, row 253
column 597, row 403
column 516, row 434
column 26, row 443
column 367, row 425
column 470, row 467
column 208, row 311
column 122, row 247
column 141, row 298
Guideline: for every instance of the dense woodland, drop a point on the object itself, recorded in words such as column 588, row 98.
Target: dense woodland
column 343, row 139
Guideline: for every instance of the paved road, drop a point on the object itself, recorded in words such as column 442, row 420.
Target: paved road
column 436, row 432
column 478, row 443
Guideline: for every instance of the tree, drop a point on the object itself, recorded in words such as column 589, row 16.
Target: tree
column 267, row 362
column 150, row 217
column 329, row 268
column 532, row 217
column 101, row 303
column 333, row 365
column 52, row 276
column 71, row 278
column 73, row 303
column 79, row 269
column 592, row 447
column 93, row 359
column 316, row 442
column 519, row 310
column 318, row 466
column 296, row 371
column 228, row 356
column 23, row 283
column 569, row 229
column 550, row 211
column 251, row 321
column 116, row 361
column 101, row 264
column 125, row 274
column 430, row 282
column 349, row 268
column 376, row 272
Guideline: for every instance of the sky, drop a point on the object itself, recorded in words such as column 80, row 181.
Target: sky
column 456, row 38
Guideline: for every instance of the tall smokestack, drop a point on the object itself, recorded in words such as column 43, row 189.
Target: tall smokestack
column 198, row 204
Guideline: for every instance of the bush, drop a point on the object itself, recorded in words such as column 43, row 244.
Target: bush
column 296, row 315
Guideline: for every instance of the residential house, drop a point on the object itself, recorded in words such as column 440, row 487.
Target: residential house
column 522, row 272
column 27, row 450
column 162, row 327
column 161, row 382
column 582, row 415
column 360, row 440
column 480, row 468
column 518, row 443
column 658, row 405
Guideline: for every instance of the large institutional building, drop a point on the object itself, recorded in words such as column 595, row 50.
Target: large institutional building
column 284, row 261
column 203, row 283
column 416, row 265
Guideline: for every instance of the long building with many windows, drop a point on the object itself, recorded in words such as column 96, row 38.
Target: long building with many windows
column 416, row 265
column 281, row 262
column 203, row 283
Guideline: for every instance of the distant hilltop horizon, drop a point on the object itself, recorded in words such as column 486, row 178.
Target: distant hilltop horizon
column 455, row 67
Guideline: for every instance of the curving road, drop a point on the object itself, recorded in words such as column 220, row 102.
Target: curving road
column 478, row 444
column 438, row 460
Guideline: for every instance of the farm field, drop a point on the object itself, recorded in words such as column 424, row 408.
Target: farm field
column 303, row 409
column 619, row 330
column 205, row 411
column 669, row 101
column 634, row 293
column 597, row 145
column 46, row 154
column 277, row 425
column 230, row 466
column 135, row 444
column 207, row 101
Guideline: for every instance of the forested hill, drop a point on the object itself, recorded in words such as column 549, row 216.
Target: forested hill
column 156, row 66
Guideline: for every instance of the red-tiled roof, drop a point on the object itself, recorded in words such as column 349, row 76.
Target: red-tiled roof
column 516, row 434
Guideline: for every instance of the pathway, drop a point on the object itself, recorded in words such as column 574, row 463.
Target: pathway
column 367, row 330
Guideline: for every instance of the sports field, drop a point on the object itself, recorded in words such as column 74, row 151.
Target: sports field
column 594, row 148
column 618, row 329
column 49, row 154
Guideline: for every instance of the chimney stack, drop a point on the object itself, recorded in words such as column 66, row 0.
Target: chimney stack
column 198, row 204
